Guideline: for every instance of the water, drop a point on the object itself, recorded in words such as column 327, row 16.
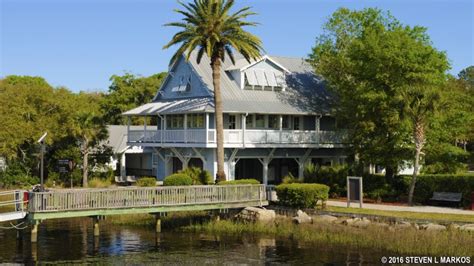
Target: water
column 71, row 241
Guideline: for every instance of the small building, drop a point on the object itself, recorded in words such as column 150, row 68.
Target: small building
column 277, row 118
column 128, row 160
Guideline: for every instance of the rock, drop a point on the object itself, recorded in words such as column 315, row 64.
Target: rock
column 302, row 218
column 324, row 219
column 467, row 227
column 253, row 214
column 364, row 223
column 350, row 221
column 433, row 227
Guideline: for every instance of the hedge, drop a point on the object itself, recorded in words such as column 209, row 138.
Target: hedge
column 240, row 182
column 178, row 180
column 427, row 184
column 301, row 195
column 198, row 175
column 146, row 182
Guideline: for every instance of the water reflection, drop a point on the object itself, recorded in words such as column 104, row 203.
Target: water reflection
column 72, row 241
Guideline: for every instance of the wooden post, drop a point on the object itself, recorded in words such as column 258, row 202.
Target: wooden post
column 34, row 233
column 96, row 226
column 185, row 125
column 157, row 224
column 244, row 127
column 265, row 163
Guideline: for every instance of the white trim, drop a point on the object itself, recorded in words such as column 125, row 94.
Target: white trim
column 263, row 58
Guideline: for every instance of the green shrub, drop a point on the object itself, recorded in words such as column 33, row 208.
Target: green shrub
column 17, row 175
column 99, row 183
column 146, row 182
column 427, row 184
column 302, row 195
column 240, row 182
column 198, row 175
column 178, row 180
column 290, row 179
column 332, row 176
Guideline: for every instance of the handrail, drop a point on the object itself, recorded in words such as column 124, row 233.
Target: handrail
column 16, row 199
column 93, row 199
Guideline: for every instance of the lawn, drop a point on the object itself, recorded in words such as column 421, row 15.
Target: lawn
column 407, row 215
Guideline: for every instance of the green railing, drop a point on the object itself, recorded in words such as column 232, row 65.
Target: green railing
column 120, row 198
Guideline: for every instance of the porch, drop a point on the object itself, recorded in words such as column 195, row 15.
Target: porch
column 234, row 137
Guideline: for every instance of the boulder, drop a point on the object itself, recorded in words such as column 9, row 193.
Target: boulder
column 467, row 227
column 350, row 221
column 433, row 227
column 254, row 214
column 362, row 223
column 324, row 219
column 402, row 225
column 302, row 218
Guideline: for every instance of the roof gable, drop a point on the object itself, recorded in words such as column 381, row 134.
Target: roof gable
column 182, row 82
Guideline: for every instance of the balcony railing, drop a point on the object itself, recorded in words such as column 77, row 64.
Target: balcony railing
column 236, row 136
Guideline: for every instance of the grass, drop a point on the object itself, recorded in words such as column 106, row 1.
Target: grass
column 172, row 220
column 407, row 241
column 99, row 183
column 406, row 215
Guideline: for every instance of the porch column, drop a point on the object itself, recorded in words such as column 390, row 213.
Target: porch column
column 317, row 125
column 265, row 163
column 123, row 171
column 280, row 125
column 207, row 127
column 244, row 127
column 300, row 170
column 185, row 128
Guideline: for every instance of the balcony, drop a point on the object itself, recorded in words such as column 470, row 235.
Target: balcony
column 235, row 137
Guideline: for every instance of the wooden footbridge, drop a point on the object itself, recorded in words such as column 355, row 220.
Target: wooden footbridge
column 96, row 203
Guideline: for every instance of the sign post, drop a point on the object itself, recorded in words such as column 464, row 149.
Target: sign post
column 354, row 190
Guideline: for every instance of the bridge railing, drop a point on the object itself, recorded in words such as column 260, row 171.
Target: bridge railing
column 92, row 199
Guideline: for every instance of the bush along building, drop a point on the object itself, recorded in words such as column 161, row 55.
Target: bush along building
column 276, row 119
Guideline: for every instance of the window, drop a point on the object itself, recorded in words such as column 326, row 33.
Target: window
column 285, row 122
column 175, row 121
column 249, row 121
column 259, row 121
column 195, row 120
column 296, row 123
column 184, row 84
column 232, row 122
column 273, row 121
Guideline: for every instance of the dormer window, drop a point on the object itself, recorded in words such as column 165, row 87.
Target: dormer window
column 262, row 79
column 184, row 84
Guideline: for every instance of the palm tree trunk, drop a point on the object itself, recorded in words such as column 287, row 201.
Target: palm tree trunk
column 216, row 82
column 419, row 136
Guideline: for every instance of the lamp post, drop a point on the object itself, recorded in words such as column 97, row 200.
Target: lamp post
column 41, row 141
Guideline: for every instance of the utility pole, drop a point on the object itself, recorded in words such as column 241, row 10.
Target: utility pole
column 41, row 141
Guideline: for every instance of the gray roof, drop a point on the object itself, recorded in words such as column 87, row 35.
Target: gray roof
column 117, row 139
column 305, row 94
column 198, row 105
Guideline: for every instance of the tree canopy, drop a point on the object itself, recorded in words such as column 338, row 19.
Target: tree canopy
column 383, row 73
column 127, row 92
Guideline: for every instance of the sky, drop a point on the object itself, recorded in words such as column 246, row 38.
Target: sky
column 80, row 44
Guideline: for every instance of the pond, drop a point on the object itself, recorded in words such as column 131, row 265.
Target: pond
column 71, row 241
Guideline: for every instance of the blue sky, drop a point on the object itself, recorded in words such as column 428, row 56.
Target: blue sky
column 80, row 44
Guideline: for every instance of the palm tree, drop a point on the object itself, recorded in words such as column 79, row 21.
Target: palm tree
column 208, row 27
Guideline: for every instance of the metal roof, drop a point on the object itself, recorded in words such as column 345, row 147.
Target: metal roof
column 305, row 92
column 174, row 106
